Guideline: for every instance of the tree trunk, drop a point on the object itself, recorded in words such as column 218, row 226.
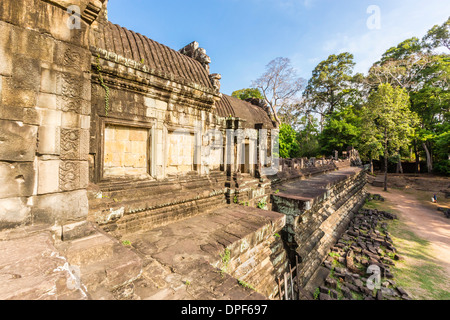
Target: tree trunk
column 399, row 164
column 385, row 172
column 429, row 159
column 417, row 169
column 371, row 166
column 385, row 161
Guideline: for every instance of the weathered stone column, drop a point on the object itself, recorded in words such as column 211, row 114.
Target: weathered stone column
column 44, row 111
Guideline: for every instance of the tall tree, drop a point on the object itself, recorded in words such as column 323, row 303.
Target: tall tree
column 401, row 66
column 291, row 114
column 388, row 119
column 425, row 76
column 279, row 85
column 332, row 82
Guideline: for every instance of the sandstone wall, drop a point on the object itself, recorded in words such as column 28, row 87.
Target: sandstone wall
column 45, row 97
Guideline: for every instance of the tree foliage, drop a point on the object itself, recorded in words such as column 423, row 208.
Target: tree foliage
column 248, row 93
column 289, row 146
column 342, row 129
column 331, row 84
column 388, row 120
column 438, row 36
column 402, row 104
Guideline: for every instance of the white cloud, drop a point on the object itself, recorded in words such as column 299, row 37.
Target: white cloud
column 406, row 21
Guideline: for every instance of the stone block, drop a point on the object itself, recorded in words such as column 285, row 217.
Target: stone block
column 49, row 140
column 49, row 117
column 46, row 101
column 60, row 207
column 48, row 176
column 31, row 116
column 85, row 122
column 13, row 211
column 16, row 179
column 36, row 45
column 70, row 120
column 155, row 104
column 17, row 97
column 12, row 113
column 48, row 81
column 138, row 134
column 17, row 141
column 5, row 49
column 26, row 73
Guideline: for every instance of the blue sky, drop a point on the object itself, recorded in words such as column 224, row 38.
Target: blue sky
column 243, row 36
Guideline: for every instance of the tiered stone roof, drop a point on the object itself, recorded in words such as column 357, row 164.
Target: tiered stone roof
column 236, row 108
column 132, row 45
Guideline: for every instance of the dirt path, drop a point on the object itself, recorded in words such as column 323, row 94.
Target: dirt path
column 425, row 222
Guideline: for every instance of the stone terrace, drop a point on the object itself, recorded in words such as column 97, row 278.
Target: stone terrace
column 314, row 189
column 178, row 261
column 183, row 259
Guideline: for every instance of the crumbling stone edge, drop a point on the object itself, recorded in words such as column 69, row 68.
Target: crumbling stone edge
column 360, row 262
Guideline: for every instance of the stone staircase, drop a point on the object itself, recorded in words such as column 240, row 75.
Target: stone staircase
column 100, row 263
column 121, row 208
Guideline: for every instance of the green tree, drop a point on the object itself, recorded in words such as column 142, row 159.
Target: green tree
column 388, row 119
column 248, row 93
column 438, row 36
column 289, row 147
column 412, row 65
column 332, row 82
column 341, row 130
column 308, row 136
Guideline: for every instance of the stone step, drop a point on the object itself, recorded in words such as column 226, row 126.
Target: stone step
column 103, row 263
column 149, row 219
column 103, row 277
column 90, row 249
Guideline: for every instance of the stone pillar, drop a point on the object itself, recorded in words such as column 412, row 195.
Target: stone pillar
column 44, row 111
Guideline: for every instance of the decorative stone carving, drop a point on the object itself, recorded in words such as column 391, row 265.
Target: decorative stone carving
column 193, row 51
column 215, row 80
column 72, row 58
column 70, row 143
column 68, row 172
column 92, row 10
column 73, row 175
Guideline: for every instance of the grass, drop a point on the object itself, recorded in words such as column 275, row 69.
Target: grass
column 246, row 285
column 419, row 274
column 126, row 243
column 225, row 257
column 334, row 254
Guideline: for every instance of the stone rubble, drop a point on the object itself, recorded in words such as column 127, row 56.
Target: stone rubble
column 364, row 247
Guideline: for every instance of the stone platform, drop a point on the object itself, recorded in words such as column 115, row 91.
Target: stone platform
column 317, row 212
column 190, row 259
column 183, row 260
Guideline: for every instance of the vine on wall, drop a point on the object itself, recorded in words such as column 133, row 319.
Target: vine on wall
column 102, row 83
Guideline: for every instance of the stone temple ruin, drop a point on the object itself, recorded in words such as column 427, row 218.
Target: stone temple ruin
column 126, row 174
